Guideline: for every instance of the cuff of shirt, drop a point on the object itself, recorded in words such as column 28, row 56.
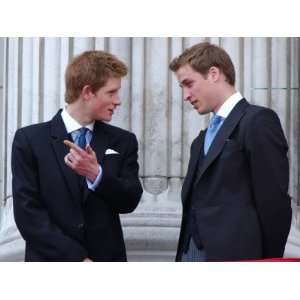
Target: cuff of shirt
column 92, row 185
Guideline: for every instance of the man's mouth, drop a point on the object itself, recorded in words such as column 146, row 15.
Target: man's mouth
column 194, row 102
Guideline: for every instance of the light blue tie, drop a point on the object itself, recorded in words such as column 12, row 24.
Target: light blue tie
column 213, row 127
column 81, row 137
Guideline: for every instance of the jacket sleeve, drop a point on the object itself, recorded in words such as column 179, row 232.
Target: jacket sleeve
column 31, row 216
column 267, row 156
column 122, row 191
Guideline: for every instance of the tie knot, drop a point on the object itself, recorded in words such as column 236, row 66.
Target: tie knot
column 83, row 131
column 215, row 121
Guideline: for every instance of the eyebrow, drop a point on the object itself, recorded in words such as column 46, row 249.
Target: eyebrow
column 184, row 82
column 113, row 90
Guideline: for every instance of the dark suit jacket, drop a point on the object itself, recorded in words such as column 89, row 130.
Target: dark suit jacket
column 242, row 206
column 58, row 220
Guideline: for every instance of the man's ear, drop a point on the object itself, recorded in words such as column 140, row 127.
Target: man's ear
column 86, row 92
column 213, row 74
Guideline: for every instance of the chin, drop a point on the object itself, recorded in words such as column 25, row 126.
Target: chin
column 103, row 119
column 107, row 119
column 202, row 112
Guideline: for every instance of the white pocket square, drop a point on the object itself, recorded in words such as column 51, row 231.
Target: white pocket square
column 111, row 151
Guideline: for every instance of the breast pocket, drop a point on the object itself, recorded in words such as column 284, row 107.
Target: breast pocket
column 112, row 164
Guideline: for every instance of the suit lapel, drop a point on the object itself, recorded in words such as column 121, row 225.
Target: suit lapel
column 58, row 135
column 193, row 163
column 228, row 126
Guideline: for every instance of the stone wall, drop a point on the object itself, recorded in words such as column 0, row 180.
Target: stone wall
column 152, row 107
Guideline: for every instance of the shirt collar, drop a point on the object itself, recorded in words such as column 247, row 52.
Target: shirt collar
column 71, row 124
column 229, row 104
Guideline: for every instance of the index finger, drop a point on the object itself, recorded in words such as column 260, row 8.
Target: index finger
column 73, row 146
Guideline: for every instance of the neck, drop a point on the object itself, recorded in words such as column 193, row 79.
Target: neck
column 78, row 112
column 224, row 94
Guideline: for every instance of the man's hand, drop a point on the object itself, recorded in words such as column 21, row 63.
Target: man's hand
column 82, row 162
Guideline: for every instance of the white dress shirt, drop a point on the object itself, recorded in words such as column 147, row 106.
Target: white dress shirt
column 72, row 127
column 229, row 104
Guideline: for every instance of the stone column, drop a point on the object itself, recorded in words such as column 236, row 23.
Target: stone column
column 2, row 123
column 153, row 108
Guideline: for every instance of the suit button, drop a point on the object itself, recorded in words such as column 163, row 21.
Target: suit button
column 80, row 226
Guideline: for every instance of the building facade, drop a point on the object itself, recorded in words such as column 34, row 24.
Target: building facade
column 32, row 90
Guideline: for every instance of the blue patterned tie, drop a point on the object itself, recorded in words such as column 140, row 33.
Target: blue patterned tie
column 81, row 137
column 213, row 127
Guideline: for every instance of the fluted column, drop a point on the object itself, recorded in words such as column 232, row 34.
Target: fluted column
column 153, row 108
column 2, row 124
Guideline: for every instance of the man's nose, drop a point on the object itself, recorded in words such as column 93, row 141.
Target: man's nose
column 117, row 100
column 186, row 95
